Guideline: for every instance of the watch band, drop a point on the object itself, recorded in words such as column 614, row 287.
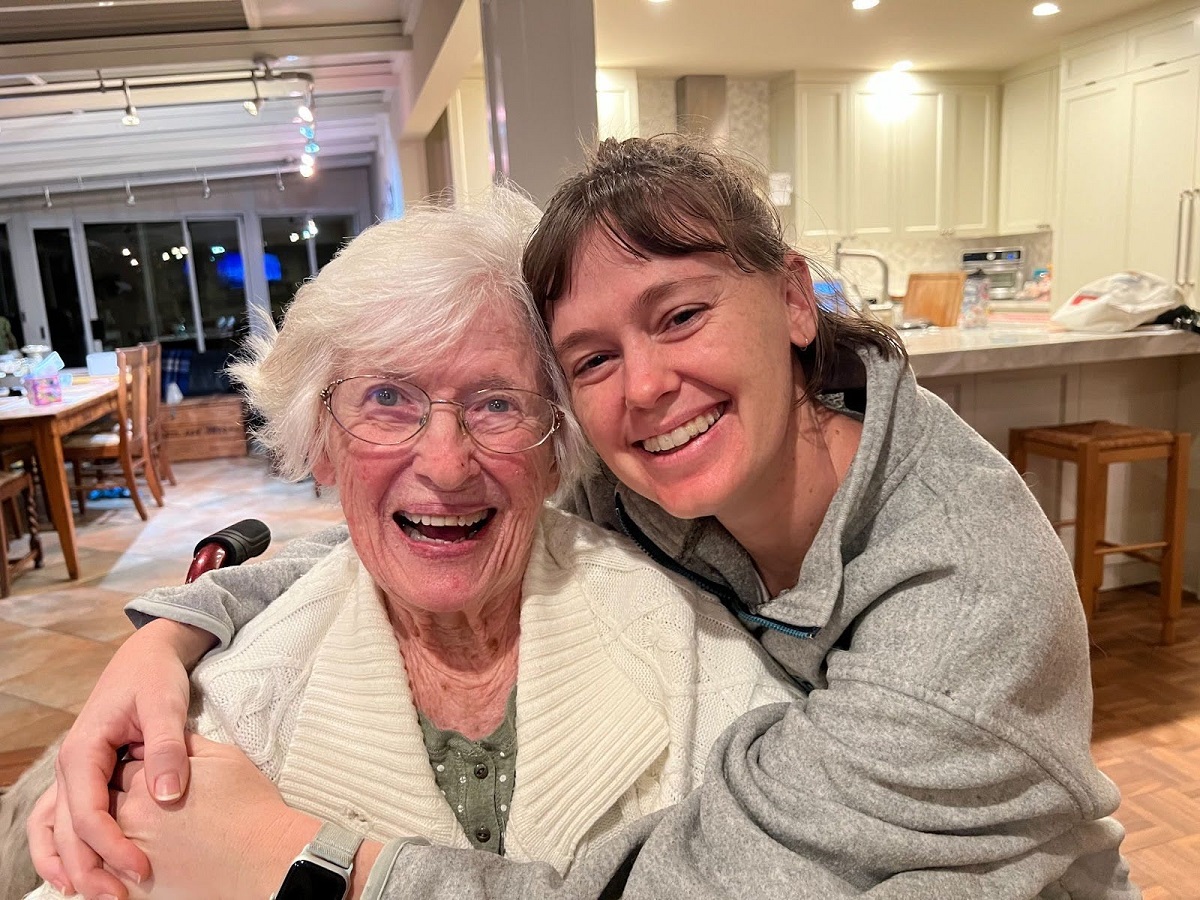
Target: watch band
column 335, row 844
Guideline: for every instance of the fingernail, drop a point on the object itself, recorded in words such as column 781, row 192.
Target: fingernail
column 166, row 787
column 132, row 876
column 107, row 897
column 63, row 888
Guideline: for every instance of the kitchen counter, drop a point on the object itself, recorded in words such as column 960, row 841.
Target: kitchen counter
column 938, row 352
column 1012, row 375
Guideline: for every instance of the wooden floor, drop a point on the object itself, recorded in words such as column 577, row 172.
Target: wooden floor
column 1147, row 738
column 55, row 637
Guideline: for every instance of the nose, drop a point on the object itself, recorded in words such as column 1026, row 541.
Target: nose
column 649, row 376
column 444, row 454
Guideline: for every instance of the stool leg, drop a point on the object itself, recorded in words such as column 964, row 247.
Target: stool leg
column 1170, row 589
column 1091, row 485
column 1017, row 454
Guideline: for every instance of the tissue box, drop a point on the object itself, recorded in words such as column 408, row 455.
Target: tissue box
column 43, row 390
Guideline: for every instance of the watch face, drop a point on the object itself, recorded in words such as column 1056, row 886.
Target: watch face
column 308, row 881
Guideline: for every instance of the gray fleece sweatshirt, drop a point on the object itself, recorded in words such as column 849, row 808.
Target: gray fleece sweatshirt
column 942, row 750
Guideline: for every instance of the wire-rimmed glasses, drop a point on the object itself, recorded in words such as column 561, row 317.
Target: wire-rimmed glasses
column 387, row 410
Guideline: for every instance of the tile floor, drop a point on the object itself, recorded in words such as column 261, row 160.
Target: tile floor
column 56, row 635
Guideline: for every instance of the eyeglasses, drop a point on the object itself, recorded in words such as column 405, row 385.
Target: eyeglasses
column 382, row 409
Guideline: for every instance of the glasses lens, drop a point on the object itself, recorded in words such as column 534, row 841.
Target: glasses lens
column 379, row 409
column 509, row 421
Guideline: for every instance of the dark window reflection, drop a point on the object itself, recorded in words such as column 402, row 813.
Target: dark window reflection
column 220, row 281
column 9, row 308
column 60, row 290
column 296, row 248
column 140, row 278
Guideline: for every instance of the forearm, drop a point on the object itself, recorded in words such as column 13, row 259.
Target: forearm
column 223, row 601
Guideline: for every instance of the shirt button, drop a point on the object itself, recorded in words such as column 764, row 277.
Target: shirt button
column 483, row 834
column 481, row 771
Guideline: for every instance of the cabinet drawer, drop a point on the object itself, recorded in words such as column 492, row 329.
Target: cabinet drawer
column 1094, row 61
column 1164, row 41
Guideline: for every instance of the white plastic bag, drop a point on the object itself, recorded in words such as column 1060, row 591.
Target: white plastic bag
column 1119, row 302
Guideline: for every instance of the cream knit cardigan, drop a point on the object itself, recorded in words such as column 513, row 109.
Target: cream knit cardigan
column 626, row 676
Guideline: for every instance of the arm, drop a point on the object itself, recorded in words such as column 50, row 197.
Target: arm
column 224, row 600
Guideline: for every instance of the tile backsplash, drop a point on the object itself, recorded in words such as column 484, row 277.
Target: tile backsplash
column 932, row 254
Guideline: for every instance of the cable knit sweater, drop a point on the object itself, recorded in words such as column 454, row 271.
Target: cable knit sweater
column 627, row 675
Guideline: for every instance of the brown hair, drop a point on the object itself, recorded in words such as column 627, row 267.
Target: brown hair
column 672, row 195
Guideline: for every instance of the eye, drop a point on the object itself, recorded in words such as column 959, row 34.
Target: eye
column 594, row 361
column 383, row 396
column 500, row 405
column 682, row 317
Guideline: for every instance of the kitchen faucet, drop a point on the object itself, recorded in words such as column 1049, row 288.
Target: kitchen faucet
column 839, row 254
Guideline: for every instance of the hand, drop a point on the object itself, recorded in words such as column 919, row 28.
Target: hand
column 142, row 696
column 230, row 838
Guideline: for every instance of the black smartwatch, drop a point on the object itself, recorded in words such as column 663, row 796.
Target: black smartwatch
column 323, row 868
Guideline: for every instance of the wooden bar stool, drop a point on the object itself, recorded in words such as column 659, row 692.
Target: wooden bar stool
column 1093, row 447
column 12, row 486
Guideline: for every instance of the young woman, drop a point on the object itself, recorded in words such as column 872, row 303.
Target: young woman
column 782, row 456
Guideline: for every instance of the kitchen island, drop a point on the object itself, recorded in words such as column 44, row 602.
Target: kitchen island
column 1009, row 376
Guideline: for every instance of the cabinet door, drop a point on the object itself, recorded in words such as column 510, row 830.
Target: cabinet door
column 969, row 169
column 920, row 167
column 1162, row 161
column 820, row 159
column 1093, row 177
column 872, row 188
column 1028, row 128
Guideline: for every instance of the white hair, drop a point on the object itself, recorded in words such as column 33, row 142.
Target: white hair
column 412, row 287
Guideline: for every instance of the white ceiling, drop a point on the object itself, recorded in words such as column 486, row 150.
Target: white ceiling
column 358, row 51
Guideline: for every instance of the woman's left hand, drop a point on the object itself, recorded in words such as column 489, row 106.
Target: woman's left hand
column 231, row 837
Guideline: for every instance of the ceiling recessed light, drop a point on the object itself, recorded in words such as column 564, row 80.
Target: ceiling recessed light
column 865, row 4
column 903, row 66
column 1046, row 9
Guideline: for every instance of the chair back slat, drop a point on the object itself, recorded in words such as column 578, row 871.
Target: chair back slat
column 131, row 362
column 153, row 379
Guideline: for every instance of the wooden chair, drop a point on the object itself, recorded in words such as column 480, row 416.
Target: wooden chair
column 13, row 487
column 1093, row 447
column 155, row 419
column 113, row 458
column 936, row 296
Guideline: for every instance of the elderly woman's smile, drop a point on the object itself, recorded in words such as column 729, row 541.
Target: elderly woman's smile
column 443, row 529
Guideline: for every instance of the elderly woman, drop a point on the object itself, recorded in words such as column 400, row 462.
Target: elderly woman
column 471, row 667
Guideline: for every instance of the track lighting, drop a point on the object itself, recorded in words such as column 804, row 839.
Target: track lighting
column 306, row 170
column 49, row 204
column 131, row 116
column 254, row 107
column 205, row 190
column 279, row 180
column 305, row 109
column 130, row 200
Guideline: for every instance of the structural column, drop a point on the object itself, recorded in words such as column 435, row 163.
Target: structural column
column 539, row 60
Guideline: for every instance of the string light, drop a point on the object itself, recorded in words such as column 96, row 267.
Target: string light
column 254, row 107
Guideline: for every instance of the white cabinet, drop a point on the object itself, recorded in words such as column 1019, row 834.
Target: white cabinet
column 969, row 162
column 1093, row 175
column 809, row 142
column 1094, row 61
column 1163, row 41
column 925, row 166
column 1128, row 148
column 1028, row 136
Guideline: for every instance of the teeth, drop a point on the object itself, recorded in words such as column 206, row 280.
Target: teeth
column 682, row 434
column 446, row 521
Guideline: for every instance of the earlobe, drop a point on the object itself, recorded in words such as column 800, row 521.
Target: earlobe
column 801, row 300
column 323, row 471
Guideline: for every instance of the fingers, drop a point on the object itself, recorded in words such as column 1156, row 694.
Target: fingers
column 82, row 866
column 40, row 829
column 85, row 832
column 124, row 776
column 163, row 717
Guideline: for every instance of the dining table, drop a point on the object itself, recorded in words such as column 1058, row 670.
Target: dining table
column 84, row 400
